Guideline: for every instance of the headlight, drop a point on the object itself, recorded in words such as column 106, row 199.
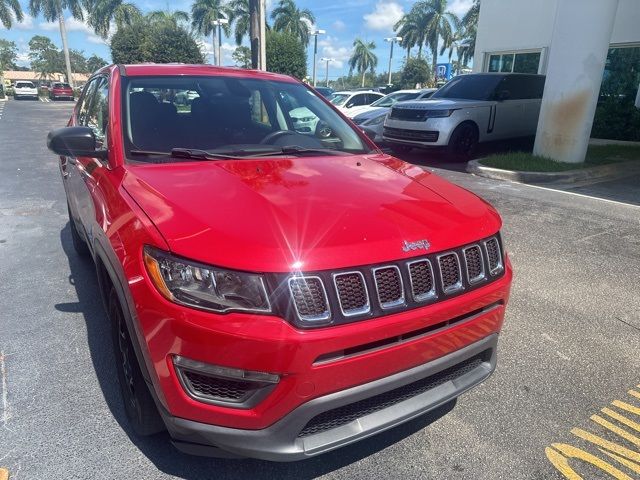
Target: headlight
column 202, row 286
column 376, row 121
column 439, row 113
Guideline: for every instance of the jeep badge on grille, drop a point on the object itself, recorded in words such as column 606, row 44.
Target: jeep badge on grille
column 418, row 245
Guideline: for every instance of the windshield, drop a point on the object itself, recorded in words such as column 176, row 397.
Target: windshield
column 339, row 99
column 222, row 114
column 469, row 87
column 392, row 98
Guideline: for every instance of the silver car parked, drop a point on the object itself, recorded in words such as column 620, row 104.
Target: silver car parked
column 469, row 109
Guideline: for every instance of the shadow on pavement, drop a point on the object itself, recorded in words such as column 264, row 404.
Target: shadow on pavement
column 158, row 448
column 437, row 158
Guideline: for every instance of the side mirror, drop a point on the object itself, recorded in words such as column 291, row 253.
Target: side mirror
column 74, row 142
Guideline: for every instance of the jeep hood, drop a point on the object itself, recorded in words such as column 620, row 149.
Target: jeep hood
column 308, row 213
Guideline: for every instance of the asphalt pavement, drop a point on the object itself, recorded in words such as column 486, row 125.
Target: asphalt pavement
column 570, row 346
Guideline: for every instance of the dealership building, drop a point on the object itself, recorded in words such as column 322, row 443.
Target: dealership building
column 590, row 52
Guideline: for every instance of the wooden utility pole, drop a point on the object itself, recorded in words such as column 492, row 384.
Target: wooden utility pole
column 254, row 32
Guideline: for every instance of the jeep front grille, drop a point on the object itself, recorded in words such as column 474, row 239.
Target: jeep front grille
column 375, row 290
column 352, row 293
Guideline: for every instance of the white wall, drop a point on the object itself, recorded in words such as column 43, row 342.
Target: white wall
column 526, row 24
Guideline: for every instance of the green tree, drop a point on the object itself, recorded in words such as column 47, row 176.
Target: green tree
column 10, row 9
column 363, row 58
column 288, row 18
column 53, row 10
column 103, row 12
column 78, row 61
column 45, row 57
column 203, row 14
column 239, row 16
column 413, row 29
column 441, row 24
column 242, row 57
column 95, row 63
column 285, row 54
column 175, row 17
column 415, row 71
column 8, row 55
column 163, row 42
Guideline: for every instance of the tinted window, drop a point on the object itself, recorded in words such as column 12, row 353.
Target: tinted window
column 389, row 100
column 469, row 87
column 230, row 115
column 24, row 85
column 526, row 62
column 97, row 116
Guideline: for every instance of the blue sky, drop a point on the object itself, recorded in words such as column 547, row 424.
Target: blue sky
column 343, row 20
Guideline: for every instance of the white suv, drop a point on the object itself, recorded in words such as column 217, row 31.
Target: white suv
column 469, row 109
column 346, row 100
column 25, row 90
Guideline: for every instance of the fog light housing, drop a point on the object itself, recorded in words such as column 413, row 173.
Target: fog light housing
column 223, row 386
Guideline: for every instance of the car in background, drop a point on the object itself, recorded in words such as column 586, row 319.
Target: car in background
column 60, row 91
column 186, row 97
column 345, row 100
column 468, row 110
column 25, row 90
column 389, row 100
column 371, row 120
column 325, row 91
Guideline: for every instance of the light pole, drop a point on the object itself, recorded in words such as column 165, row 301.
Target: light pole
column 315, row 34
column 391, row 40
column 326, row 78
column 218, row 24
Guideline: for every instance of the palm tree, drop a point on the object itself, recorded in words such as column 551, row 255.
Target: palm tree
column 172, row 17
column 413, row 28
column 203, row 14
column 103, row 12
column 6, row 7
column 239, row 16
column 363, row 58
column 290, row 19
column 53, row 10
column 440, row 23
column 470, row 19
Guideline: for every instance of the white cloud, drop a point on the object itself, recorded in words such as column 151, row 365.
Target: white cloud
column 459, row 7
column 339, row 25
column 22, row 59
column 71, row 24
column 226, row 49
column 384, row 17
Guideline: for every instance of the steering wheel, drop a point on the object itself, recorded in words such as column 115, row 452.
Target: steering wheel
column 270, row 138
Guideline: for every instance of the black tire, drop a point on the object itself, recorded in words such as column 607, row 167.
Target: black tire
column 463, row 141
column 79, row 245
column 400, row 149
column 139, row 405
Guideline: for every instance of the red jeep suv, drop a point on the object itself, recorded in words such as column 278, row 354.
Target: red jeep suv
column 61, row 90
column 273, row 293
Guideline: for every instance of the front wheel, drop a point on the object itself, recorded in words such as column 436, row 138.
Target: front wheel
column 139, row 406
column 463, row 141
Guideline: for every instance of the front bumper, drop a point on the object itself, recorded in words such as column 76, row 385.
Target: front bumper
column 443, row 126
column 435, row 383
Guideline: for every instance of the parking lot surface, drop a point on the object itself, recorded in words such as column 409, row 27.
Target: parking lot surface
column 569, row 349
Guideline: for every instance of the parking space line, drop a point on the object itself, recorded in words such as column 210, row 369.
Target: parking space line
column 559, row 454
column 580, row 195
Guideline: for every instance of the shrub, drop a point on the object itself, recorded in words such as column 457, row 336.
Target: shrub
column 415, row 71
column 285, row 54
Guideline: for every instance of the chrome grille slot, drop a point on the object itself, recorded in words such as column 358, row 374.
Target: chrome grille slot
column 475, row 267
column 352, row 293
column 389, row 286
column 309, row 298
column 423, row 286
column 494, row 256
column 450, row 274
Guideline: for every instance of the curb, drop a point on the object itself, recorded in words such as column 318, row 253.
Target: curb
column 601, row 173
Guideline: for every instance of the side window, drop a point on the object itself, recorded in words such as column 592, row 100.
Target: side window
column 360, row 99
column 259, row 112
column 97, row 117
column 515, row 85
column 84, row 102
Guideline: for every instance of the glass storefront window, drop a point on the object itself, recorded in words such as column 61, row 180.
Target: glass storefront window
column 525, row 62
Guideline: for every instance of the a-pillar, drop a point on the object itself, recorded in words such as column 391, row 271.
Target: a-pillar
column 577, row 55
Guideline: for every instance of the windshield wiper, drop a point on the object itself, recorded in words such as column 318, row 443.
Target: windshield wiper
column 295, row 150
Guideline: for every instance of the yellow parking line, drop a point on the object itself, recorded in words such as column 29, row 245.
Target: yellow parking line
column 4, row 474
column 633, row 393
column 626, row 406
column 634, row 467
column 562, row 464
column 601, row 442
column 615, row 429
column 622, row 419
